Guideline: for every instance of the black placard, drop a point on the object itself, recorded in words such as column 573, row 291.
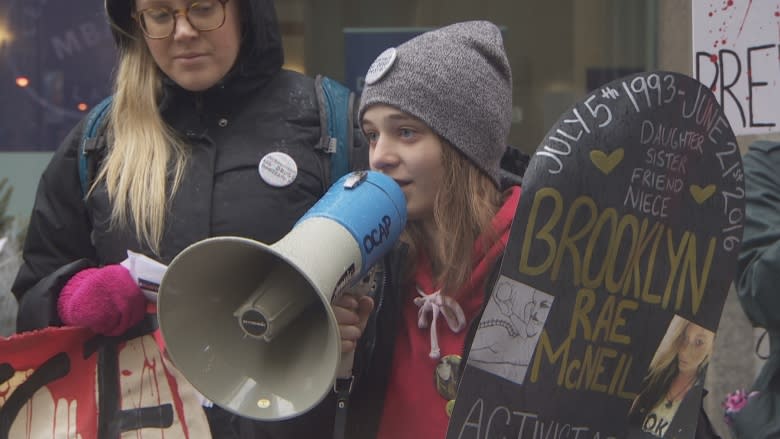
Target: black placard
column 630, row 221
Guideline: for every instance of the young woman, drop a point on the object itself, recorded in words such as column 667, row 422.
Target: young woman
column 671, row 393
column 436, row 112
column 201, row 107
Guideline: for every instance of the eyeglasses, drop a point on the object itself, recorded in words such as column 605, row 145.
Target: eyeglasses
column 203, row 15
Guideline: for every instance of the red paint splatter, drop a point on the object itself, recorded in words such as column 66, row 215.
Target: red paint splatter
column 723, row 42
column 714, row 59
column 127, row 373
column 177, row 400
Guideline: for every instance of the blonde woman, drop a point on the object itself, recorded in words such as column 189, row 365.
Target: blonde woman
column 207, row 135
column 669, row 402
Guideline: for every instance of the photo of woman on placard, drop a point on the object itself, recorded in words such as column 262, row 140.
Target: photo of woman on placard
column 669, row 401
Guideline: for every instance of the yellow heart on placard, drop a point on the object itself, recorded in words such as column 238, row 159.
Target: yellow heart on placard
column 701, row 194
column 606, row 163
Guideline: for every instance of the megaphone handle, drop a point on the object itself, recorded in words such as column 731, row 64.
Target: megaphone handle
column 345, row 366
column 343, row 388
column 360, row 289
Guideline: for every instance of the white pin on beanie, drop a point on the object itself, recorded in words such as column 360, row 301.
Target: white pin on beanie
column 457, row 80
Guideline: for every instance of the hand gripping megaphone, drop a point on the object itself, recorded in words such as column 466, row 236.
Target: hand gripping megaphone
column 251, row 325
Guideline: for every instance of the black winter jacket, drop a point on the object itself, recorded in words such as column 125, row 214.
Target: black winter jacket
column 757, row 279
column 256, row 109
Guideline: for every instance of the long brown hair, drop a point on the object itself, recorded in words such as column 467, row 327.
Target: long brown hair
column 463, row 211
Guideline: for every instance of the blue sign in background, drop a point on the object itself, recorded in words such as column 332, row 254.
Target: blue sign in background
column 56, row 61
column 363, row 45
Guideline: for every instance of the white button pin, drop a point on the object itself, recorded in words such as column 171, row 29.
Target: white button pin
column 278, row 169
column 381, row 65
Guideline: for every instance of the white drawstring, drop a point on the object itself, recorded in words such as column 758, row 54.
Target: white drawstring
column 436, row 303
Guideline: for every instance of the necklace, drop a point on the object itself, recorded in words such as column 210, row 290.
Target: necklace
column 670, row 401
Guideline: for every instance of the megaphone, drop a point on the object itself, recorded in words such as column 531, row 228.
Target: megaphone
column 250, row 326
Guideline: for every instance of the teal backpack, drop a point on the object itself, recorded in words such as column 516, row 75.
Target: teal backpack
column 337, row 117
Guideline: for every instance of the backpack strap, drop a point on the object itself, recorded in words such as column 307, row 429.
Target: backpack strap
column 346, row 152
column 337, row 119
column 89, row 142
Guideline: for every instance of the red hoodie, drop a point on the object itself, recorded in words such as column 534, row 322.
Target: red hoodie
column 413, row 407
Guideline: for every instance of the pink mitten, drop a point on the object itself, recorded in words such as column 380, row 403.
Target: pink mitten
column 106, row 300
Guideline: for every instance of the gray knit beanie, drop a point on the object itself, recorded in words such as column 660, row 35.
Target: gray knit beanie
column 457, row 80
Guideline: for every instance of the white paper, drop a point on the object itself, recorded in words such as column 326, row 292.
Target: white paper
column 146, row 272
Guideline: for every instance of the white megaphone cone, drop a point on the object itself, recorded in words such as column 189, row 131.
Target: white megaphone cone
column 251, row 325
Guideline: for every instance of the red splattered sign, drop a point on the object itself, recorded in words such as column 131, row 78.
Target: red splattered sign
column 736, row 53
column 69, row 382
